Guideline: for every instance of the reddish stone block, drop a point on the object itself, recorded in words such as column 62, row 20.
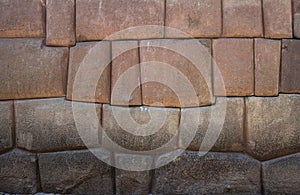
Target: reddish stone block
column 30, row 70
column 89, row 72
column 98, row 19
column 125, row 73
column 242, row 18
column 22, row 18
column 60, row 25
column 267, row 67
column 234, row 59
column 176, row 73
column 296, row 6
column 290, row 67
column 196, row 18
column 278, row 18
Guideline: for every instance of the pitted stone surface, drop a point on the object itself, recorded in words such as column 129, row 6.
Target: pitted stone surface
column 6, row 127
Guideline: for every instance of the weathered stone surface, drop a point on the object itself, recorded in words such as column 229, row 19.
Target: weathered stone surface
column 75, row 172
column 6, row 128
column 273, row 126
column 60, row 24
column 140, row 128
column 297, row 25
column 49, row 124
column 290, row 66
column 89, row 72
column 278, row 18
column 296, row 6
column 18, row 172
column 197, row 18
column 234, row 59
column 176, row 73
column 282, row 175
column 267, row 67
column 29, row 70
column 22, row 18
column 98, row 19
column 125, row 78
column 230, row 137
column 214, row 173
column 242, row 18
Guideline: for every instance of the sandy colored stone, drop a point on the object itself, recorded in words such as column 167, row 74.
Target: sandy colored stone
column 196, row 18
column 242, row 18
column 60, row 24
column 234, row 59
column 267, row 67
column 6, row 128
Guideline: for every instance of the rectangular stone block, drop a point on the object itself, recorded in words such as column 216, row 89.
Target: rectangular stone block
column 60, row 24
column 89, row 72
column 297, row 25
column 6, row 128
column 30, row 70
column 196, row 18
column 56, row 124
column 278, row 18
column 18, row 172
column 214, row 128
column 282, row 175
column 22, row 18
column 125, row 78
column 75, row 172
column 267, row 67
column 273, row 126
column 176, row 73
column 290, row 67
column 99, row 19
column 242, row 18
column 214, row 173
column 234, row 65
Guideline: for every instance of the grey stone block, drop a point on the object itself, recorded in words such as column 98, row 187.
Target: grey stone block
column 6, row 127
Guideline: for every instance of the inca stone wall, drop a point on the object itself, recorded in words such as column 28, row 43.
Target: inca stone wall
column 249, row 61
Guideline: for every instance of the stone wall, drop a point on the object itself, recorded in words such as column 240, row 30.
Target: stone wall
column 249, row 60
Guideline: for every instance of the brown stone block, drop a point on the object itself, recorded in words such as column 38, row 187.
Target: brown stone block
column 297, row 25
column 60, row 24
column 242, row 18
column 296, row 6
column 234, row 59
column 30, row 70
column 267, row 67
column 22, row 18
column 6, row 128
column 196, row 18
column 89, row 72
column 125, row 73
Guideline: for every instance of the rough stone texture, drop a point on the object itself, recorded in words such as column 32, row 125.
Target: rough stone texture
column 90, row 68
column 290, row 66
column 231, row 134
column 75, row 172
column 48, row 124
column 282, row 175
column 179, row 74
column 196, row 18
column 6, row 128
column 29, row 70
column 234, row 59
column 214, row 173
column 267, row 67
column 273, row 126
column 60, row 24
column 22, row 18
column 97, row 19
column 140, row 128
column 297, row 25
column 278, row 18
column 125, row 78
column 242, row 18
column 18, row 172
column 296, row 6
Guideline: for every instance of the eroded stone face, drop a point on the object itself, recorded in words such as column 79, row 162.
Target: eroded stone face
column 6, row 128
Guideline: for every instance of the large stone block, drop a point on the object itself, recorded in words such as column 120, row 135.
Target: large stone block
column 273, row 126
column 6, row 128
column 22, row 18
column 214, row 173
column 75, row 172
column 30, row 70
column 18, row 172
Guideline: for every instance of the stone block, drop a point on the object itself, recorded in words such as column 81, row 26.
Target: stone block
column 6, row 121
